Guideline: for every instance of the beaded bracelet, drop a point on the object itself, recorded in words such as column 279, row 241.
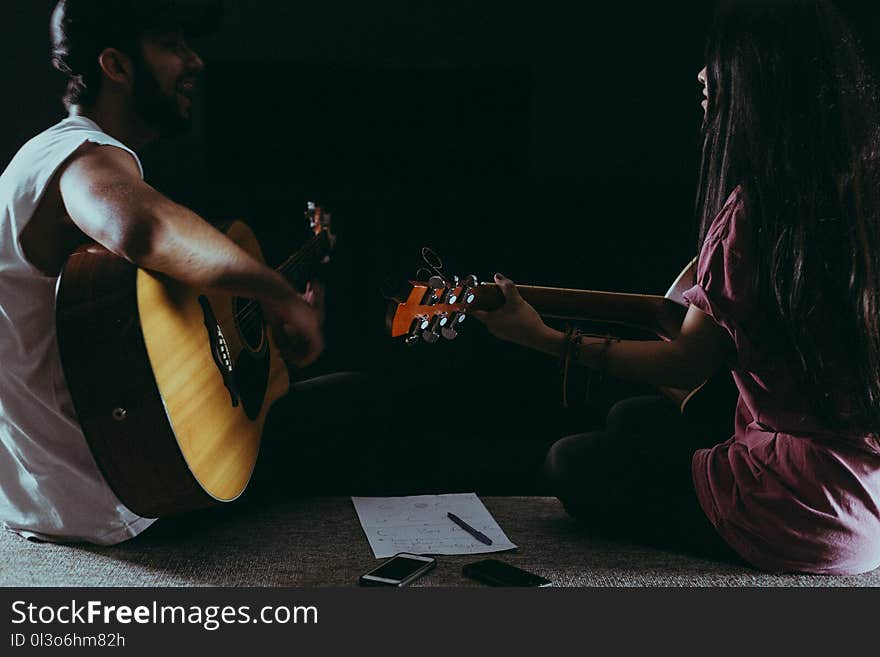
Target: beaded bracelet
column 573, row 338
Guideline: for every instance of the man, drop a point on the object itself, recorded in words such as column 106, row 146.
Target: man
column 131, row 75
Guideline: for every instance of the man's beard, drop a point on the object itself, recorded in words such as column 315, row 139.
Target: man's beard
column 158, row 110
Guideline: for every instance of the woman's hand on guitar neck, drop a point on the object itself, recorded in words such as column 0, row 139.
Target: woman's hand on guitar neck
column 516, row 321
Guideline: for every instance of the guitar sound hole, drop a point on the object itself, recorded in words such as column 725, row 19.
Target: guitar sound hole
column 250, row 322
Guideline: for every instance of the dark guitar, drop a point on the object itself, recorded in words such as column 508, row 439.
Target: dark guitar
column 434, row 309
column 172, row 385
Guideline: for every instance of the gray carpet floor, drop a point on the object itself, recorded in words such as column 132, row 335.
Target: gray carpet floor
column 319, row 542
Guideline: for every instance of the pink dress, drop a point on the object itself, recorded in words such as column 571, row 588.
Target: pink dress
column 784, row 492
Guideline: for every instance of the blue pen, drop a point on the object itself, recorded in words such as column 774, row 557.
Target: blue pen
column 480, row 536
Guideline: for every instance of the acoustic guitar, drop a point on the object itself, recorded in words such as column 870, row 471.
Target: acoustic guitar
column 431, row 310
column 172, row 385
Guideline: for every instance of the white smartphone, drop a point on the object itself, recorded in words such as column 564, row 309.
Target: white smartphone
column 399, row 570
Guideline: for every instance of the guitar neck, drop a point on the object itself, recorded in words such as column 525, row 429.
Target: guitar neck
column 300, row 266
column 653, row 313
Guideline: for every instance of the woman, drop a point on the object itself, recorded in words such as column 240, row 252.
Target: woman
column 787, row 295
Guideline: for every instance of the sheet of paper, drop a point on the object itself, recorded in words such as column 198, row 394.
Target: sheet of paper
column 418, row 524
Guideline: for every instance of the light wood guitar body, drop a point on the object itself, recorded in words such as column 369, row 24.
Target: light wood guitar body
column 171, row 385
column 218, row 440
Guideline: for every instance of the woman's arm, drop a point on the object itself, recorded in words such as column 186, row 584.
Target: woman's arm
column 685, row 362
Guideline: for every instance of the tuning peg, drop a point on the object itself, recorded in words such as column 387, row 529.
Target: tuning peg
column 419, row 324
column 451, row 285
column 449, row 331
column 431, row 298
column 436, row 282
column 467, row 293
column 432, row 333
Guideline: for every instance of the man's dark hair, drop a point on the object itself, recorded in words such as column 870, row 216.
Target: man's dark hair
column 793, row 119
column 81, row 29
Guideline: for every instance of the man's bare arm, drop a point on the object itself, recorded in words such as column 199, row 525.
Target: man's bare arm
column 106, row 198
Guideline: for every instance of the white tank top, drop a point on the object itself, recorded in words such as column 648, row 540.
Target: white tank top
column 50, row 485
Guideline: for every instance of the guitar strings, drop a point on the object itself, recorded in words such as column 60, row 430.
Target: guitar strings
column 251, row 309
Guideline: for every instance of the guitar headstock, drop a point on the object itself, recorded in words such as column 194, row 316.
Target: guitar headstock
column 432, row 309
column 319, row 218
column 320, row 221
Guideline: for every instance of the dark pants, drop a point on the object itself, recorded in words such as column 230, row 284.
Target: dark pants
column 318, row 438
column 633, row 480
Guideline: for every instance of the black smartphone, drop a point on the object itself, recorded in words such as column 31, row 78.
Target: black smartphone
column 498, row 573
column 399, row 570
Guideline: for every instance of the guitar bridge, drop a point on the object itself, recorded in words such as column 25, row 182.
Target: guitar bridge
column 219, row 349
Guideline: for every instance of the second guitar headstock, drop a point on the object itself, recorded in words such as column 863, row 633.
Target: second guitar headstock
column 433, row 309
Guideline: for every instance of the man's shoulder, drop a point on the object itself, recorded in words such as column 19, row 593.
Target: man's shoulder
column 91, row 158
column 49, row 141
column 65, row 127
column 74, row 139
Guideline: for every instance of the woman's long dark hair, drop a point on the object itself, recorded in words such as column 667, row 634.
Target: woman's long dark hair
column 793, row 119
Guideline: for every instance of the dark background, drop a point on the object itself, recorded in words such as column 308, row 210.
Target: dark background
column 556, row 142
